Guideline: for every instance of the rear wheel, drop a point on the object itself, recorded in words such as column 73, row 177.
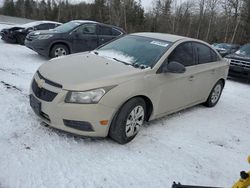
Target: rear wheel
column 59, row 50
column 215, row 94
column 128, row 121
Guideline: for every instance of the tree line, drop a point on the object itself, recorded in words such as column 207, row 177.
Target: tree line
column 210, row 20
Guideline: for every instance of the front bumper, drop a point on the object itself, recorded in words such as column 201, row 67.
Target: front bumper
column 81, row 119
column 7, row 37
column 39, row 46
column 239, row 71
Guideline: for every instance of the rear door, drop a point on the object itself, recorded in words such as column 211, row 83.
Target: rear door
column 207, row 72
column 106, row 33
column 84, row 38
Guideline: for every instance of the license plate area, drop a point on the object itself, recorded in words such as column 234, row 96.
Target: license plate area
column 35, row 105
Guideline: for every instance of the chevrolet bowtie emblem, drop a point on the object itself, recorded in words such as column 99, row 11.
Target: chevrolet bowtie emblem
column 40, row 83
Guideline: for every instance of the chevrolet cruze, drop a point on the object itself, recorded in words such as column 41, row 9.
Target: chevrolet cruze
column 112, row 90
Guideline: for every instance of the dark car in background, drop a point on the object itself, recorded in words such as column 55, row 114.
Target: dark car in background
column 240, row 62
column 72, row 37
column 226, row 48
column 18, row 33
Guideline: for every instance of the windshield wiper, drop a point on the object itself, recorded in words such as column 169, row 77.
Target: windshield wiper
column 121, row 61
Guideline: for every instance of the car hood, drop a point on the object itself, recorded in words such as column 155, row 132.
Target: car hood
column 238, row 57
column 85, row 71
column 13, row 28
column 44, row 32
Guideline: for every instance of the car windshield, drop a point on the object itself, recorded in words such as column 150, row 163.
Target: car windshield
column 67, row 27
column 135, row 50
column 244, row 50
column 223, row 46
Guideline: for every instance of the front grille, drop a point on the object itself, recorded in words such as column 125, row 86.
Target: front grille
column 49, row 81
column 42, row 93
column 240, row 63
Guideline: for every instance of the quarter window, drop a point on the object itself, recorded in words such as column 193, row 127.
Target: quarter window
column 183, row 54
column 115, row 32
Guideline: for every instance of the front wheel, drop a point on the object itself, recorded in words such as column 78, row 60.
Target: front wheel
column 20, row 39
column 59, row 50
column 128, row 121
column 215, row 94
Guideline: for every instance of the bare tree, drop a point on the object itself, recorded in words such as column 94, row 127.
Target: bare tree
column 212, row 5
column 202, row 9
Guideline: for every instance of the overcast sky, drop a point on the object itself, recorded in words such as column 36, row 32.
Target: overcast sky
column 145, row 3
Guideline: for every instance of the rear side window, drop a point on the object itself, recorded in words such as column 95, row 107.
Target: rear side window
column 205, row 54
column 45, row 26
column 116, row 32
column 105, row 30
column 183, row 54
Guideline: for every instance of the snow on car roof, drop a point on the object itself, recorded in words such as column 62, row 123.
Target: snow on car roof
column 84, row 21
column 32, row 24
column 161, row 36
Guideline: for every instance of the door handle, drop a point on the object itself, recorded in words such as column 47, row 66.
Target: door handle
column 191, row 78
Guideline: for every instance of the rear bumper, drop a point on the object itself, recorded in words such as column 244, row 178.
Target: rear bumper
column 39, row 46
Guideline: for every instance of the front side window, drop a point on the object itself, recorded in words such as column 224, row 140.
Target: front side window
column 136, row 50
column 67, row 27
column 183, row 54
column 87, row 29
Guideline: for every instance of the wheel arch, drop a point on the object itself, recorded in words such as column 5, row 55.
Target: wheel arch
column 62, row 43
column 223, row 81
column 148, row 102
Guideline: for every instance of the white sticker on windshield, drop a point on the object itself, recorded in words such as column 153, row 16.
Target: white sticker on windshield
column 159, row 43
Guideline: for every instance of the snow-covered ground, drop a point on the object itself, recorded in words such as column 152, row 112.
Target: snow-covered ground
column 202, row 146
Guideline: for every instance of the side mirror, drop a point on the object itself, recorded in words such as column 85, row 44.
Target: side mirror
column 173, row 67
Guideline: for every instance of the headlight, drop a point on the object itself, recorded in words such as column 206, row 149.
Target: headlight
column 86, row 97
column 41, row 37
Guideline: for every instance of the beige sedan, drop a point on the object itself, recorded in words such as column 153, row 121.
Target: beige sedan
column 112, row 90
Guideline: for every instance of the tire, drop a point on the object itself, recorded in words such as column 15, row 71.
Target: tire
column 215, row 94
column 124, row 126
column 20, row 39
column 59, row 50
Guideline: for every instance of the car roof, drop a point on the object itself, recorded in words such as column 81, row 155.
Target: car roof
column 90, row 21
column 161, row 36
column 45, row 21
column 84, row 21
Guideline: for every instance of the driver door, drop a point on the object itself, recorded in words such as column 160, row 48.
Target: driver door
column 85, row 38
column 177, row 90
